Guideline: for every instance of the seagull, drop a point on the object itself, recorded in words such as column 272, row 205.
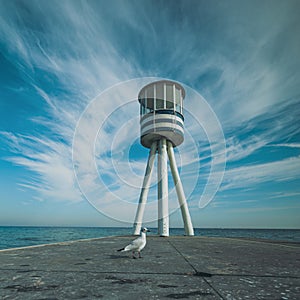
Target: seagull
column 137, row 244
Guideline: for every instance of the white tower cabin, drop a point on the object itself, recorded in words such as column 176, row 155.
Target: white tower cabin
column 161, row 112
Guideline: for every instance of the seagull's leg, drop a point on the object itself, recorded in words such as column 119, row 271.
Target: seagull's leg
column 133, row 256
column 140, row 254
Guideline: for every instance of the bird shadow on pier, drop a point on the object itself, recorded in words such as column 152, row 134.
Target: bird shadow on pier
column 115, row 256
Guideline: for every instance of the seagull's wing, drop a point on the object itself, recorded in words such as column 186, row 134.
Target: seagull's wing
column 134, row 245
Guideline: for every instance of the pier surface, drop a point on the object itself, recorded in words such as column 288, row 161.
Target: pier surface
column 171, row 268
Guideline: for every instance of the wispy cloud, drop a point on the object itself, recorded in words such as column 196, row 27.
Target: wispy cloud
column 81, row 64
column 287, row 145
column 255, row 174
column 284, row 195
column 50, row 163
column 263, row 209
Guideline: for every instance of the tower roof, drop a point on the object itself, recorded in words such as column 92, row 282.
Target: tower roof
column 179, row 86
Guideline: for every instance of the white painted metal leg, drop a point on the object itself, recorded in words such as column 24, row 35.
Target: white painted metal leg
column 162, row 172
column 188, row 226
column 145, row 189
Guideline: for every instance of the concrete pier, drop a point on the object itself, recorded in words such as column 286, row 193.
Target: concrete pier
column 171, row 268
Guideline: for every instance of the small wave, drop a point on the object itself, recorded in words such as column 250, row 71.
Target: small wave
column 34, row 239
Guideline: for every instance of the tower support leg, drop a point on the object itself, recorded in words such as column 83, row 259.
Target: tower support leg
column 162, row 172
column 145, row 189
column 188, row 226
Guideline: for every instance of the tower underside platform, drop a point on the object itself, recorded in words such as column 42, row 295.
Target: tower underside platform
column 174, row 137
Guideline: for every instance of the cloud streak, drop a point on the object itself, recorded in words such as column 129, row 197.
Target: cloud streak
column 250, row 176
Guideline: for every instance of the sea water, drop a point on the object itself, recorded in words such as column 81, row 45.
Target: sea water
column 21, row 236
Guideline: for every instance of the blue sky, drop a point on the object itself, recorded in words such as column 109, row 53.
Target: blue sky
column 58, row 59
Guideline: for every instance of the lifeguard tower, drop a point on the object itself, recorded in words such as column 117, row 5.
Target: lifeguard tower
column 161, row 121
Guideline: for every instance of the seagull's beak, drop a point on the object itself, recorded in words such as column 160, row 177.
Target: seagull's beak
column 148, row 230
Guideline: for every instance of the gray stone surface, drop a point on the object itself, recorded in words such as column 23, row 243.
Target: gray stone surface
column 171, row 268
